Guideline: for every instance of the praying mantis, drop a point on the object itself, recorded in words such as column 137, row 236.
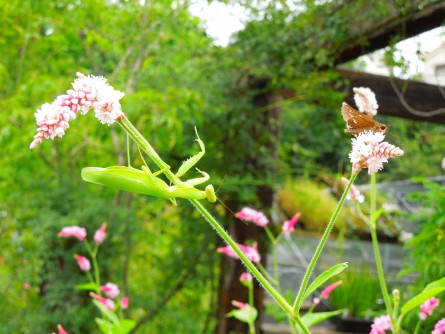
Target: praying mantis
column 143, row 181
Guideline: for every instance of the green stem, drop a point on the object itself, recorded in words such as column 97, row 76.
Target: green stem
column 377, row 256
column 324, row 238
column 93, row 255
column 144, row 145
column 252, row 268
column 416, row 331
column 250, row 290
column 276, row 279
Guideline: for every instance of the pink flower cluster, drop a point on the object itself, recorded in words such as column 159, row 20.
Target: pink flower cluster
column 381, row 325
column 73, row 231
column 427, row 308
column 61, row 329
column 109, row 289
column 83, row 263
column 289, row 225
column 250, row 252
column 326, row 292
column 89, row 92
column 439, row 328
column 112, row 291
column 254, row 216
column 365, row 100
column 245, row 278
column 368, row 151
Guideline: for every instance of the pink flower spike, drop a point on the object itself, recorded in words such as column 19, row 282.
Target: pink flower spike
column 316, row 301
column 254, row 216
column 250, row 252
column 108, row 303
column 99, row 236
column 110, row 289
column 439, row 328
column 289, row 225
column 83, row 262
column 365, row 100
column 89, row 92
column 240, row 305
column 428, row 307
column 381, row 325
column 124, row 302
column 73, row 231
column 368, row 151
column 61, row 329
column 327, row 291
column 246, row 277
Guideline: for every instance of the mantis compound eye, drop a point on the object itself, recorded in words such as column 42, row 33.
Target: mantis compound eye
column 210, row 194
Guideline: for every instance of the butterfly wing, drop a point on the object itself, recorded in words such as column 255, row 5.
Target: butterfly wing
column 357, row 122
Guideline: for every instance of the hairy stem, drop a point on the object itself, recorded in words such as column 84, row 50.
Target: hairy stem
column 324, row 238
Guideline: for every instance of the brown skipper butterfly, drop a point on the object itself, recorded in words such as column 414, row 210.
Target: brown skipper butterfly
column 356, row 122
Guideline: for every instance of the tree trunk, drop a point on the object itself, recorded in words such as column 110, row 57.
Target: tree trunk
column 267, row 112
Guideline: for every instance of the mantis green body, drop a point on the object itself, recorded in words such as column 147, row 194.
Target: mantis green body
column 147, row 183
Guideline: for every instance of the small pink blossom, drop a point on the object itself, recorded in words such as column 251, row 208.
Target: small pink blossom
column 61, row 329
column 73, row 231
column 26, row 286
column 108, row 303
column 316, row 301
column 250, row 252
column 327, row 291
column 439, row 328
column 368, row 151
column 381, row 325
column 90, row 92
column 428, row 307
column 110, row 289
column 246, row 277
column 354, row 194
column 83, row 262
column 254, row 216
column 124, row 302
column 289, row 225
column 365, row 100
column 240, row 305
column 99, row 236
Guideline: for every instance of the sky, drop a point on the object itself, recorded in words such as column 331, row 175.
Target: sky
column 222, row 20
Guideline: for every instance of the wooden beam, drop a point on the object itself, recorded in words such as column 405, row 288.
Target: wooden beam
column 374, row 35
column 422, row 97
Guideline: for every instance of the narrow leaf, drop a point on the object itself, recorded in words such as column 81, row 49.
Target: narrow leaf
column 430, row 290
column 110, row 315
column 323, row 277
column 376, row 215
column 311, row 319
column 87, row 286
column 247, row 314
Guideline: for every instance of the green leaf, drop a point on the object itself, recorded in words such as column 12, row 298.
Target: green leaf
column 246, row 314
column 87, row 286
column 122, row 327
column 376, row 215
column 430, row 290
column 127, row 325
column 323, row 277
column 311, row 319
column 106, row 312
column 104, row 326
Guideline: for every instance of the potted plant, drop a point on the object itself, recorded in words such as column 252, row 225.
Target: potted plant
column 360, row 297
